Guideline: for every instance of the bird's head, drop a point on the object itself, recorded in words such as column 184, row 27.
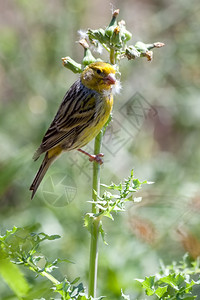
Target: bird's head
column 99, row 76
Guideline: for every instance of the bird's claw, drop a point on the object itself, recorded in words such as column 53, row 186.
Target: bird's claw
column 97, row 158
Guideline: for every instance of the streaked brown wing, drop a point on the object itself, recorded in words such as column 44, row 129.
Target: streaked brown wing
column 77, row 109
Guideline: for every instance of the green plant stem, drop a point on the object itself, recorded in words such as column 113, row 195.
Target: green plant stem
column 95, row 223
column 44, row 273
column 112, row 56
column 96, row 171
column 50, row 277
column 93, row 259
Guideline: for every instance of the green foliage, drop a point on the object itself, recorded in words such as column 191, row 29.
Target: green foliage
column 173, row 282
column 14, row 278
column 19, row 247
column 113, row 202
column 110, row 202
column 69, row 290
column 22, row 248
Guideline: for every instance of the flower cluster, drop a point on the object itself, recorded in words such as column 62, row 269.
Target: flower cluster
column 114, row 39
column 114, row 36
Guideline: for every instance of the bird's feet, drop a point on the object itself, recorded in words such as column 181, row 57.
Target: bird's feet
column 96, row 157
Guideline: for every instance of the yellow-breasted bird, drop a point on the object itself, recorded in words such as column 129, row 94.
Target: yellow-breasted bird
column 82, row 114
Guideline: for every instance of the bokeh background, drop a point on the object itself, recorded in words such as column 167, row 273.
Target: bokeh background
column 156, row 131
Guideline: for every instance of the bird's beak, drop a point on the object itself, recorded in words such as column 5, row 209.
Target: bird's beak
column 110, row 79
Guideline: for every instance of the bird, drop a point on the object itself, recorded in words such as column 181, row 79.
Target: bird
column 83, row 112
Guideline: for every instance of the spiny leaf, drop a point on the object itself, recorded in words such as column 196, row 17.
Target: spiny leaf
column 173, row 280
column 8, row 233
column 161, row 290
column 102, row 232
column 148, row 285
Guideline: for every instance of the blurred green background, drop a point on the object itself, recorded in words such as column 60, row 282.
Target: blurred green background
column 156, row 131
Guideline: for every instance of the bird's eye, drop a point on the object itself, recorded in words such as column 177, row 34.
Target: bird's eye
column 98, row 71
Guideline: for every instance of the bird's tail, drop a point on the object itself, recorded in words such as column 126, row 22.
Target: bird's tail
column 41, row 172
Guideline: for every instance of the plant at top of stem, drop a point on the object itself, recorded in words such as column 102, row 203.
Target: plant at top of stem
column 114, row 39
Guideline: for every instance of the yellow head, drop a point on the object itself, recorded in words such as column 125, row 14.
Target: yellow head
column 98, row 76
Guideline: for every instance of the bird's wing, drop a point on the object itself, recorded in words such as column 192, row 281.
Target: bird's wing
column 78, row 109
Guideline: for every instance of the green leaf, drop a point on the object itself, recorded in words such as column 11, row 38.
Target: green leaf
column 102, row 232
column 82, row 297
column 160, row 291
column 189, row 285
column 186, row 297
column 113, row 186
column 14, row 278
column 173, row 280
column 75, row 280
column 108, row 215
column 116, row 202
column 8, row 233
column 88, row 222
column 148, row 285
column 39, row 237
